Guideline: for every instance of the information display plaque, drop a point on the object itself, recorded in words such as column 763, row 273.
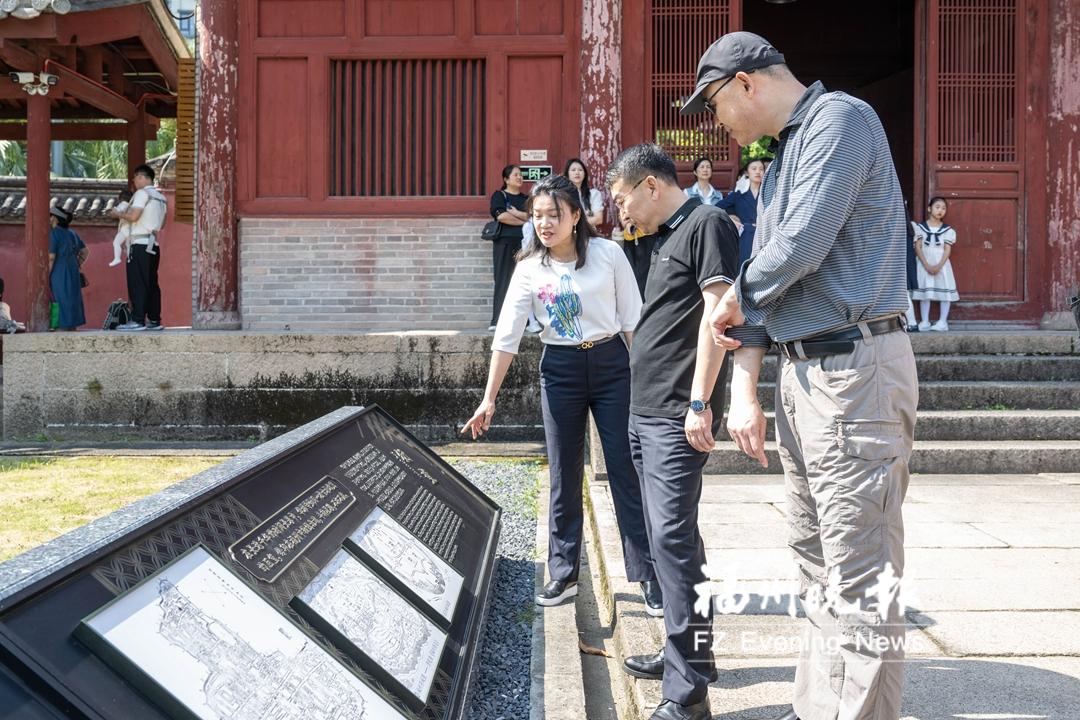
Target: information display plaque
column 353, row 606
column 408, row 560
column 339, row 571
column 205, row 646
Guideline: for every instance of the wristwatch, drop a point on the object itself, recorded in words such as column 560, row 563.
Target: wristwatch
column 699, row 406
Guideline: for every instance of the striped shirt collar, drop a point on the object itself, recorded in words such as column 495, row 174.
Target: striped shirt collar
column 677, row 219
column 803, row 106
column 797, row 114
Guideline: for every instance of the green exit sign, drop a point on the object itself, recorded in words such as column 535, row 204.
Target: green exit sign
column 535, row 173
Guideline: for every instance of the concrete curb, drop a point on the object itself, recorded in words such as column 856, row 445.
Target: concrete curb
column 633, row 631
column 557, row 690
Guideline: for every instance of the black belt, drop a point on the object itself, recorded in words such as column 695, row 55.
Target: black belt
column 839, row 342
column 587, row 345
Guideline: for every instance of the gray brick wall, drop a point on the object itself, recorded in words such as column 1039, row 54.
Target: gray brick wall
column 354, row 274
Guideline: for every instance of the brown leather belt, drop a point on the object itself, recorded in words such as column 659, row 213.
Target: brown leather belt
column 839, row 342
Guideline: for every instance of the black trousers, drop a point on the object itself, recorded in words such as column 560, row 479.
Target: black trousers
column 502, row 261
column 572, row 383
column 670, row 472
column 144, row 293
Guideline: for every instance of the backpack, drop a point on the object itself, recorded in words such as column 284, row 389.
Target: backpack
column 117, row 315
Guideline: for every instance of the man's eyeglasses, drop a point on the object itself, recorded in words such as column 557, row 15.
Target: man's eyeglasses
column 708, row 100
column 622, row 198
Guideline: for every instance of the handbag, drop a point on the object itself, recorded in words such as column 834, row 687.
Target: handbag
column 492, row 228
column 54, row 315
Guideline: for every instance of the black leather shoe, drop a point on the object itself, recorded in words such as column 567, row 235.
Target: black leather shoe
column 649, row 667
column 654, row 599
column 789, row 715
column 671, row 710
column 556, row 592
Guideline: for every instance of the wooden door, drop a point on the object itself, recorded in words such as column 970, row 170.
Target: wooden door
column 677, row 32
column 975, row 127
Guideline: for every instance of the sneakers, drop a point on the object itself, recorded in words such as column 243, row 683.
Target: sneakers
column 131, row 327
column 491, row 328
column 556, row 592
column 940, row 326
column 924, row 326
column 151, row 325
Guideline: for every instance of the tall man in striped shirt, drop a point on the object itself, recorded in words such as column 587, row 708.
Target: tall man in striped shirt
column 826, row 283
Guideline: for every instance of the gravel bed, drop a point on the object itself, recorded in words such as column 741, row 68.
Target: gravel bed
column 500, row 689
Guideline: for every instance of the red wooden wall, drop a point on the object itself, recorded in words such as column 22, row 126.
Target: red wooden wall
column 324, row 84
column 107, row 283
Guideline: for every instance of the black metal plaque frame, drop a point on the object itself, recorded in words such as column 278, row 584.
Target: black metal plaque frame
column 40, row 657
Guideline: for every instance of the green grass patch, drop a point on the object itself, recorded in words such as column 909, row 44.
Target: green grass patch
column 42, row 498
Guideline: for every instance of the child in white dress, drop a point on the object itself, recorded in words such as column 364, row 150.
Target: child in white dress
column 933, row 246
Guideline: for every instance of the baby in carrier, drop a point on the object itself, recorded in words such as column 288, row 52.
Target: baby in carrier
column 123, row 232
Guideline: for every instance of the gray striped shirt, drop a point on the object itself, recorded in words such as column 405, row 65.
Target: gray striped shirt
column 830, row 244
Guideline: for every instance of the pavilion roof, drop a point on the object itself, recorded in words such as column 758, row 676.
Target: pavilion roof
column 111, row 57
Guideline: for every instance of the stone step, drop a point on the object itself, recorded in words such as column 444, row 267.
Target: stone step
column 1037, row 368
column 984, row 342
column 988, row 425
column 936, row 457
column 973, row 395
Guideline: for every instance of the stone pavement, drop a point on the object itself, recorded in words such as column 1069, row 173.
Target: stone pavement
column 994, row 626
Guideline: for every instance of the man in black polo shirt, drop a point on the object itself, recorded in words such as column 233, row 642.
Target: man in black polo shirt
column 677, row 379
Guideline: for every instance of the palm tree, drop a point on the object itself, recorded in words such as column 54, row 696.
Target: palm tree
column 103, row 159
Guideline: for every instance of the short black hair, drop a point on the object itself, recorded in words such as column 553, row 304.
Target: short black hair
column 702, row 160
column 145, row 171
column 934, row 199
column 639, row 161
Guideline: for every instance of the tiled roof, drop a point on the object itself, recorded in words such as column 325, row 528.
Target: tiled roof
column 90, row 200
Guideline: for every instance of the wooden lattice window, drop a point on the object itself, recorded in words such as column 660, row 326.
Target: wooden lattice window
column 407, row 128
column 977, row 81
column 680, row 31
column 185, row 143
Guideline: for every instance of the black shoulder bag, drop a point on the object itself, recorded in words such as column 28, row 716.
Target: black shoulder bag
column 492, row 228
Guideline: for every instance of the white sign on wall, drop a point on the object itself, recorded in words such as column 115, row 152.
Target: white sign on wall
column 533, row 156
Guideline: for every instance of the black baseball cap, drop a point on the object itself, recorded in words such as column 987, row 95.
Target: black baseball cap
column 732, row 53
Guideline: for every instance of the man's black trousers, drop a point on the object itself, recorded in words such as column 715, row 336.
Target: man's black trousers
column 144, row 293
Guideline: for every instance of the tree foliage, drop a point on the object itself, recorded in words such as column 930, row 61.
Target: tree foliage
column 102, row 159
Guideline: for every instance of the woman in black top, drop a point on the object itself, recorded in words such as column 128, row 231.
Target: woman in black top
column 508, row 207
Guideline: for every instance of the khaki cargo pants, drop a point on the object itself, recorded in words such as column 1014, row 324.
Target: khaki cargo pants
column 845, row 425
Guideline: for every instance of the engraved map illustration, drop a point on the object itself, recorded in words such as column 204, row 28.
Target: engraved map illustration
column 209, row 641
column 412, row 562
column 378, row 621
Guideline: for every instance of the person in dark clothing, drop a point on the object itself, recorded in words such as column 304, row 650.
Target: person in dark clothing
column 741, row 207
column 508, row 207
column 638, row 247
column 677, row 384
column 67, row 252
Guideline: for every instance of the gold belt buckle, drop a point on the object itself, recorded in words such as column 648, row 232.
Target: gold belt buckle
column 587, row 345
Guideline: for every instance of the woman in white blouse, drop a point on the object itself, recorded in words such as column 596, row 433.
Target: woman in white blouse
column 591, row 198
column 583, row 291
